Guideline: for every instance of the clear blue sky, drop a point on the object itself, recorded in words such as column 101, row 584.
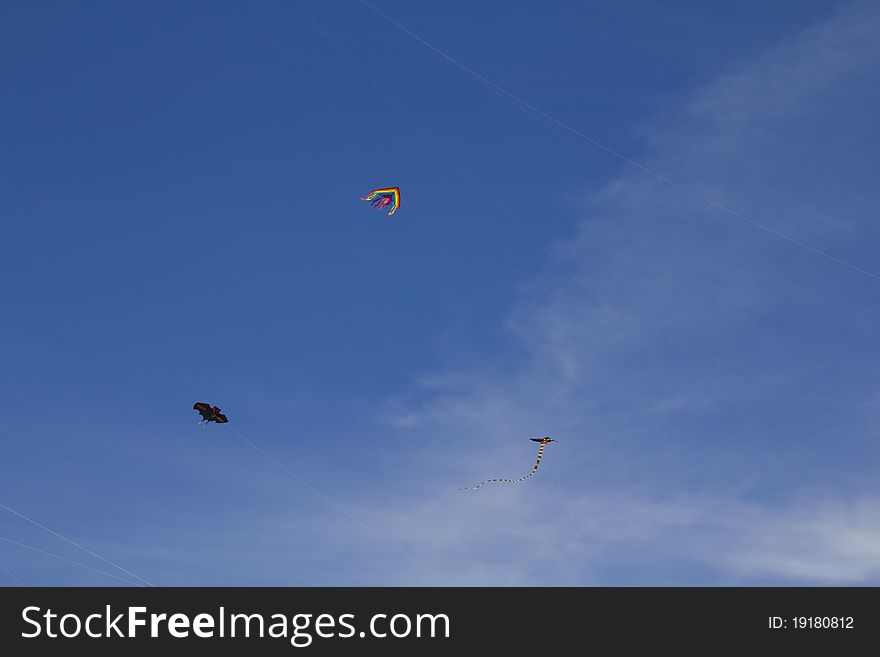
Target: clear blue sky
column 179, row 201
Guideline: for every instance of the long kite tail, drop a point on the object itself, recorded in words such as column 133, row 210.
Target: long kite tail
column 510, row 481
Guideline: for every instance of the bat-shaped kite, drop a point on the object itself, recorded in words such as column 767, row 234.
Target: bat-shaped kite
column 546, row 440
column 382, row 198
column 209, row 413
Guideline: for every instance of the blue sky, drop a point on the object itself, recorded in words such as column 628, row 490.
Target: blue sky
column 179, row 193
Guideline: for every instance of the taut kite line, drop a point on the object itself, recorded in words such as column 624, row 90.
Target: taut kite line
column 382, row 198
column 546, row 440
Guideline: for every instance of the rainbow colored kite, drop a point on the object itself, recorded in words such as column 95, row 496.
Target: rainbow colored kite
column 382, row 198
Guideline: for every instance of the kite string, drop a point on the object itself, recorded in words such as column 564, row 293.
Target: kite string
column 822, row 306
column 563, row 136
column 255, row 447
column 188, row 521
column 576, row 279
column 71, row 561
column 573, row 524
column 431, row 139
column 336, row 506
column 11, row 574
column 73, row 543
column 521, row 104
column 549, row 127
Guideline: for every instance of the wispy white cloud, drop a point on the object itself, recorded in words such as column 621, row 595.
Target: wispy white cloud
column 688, row 372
